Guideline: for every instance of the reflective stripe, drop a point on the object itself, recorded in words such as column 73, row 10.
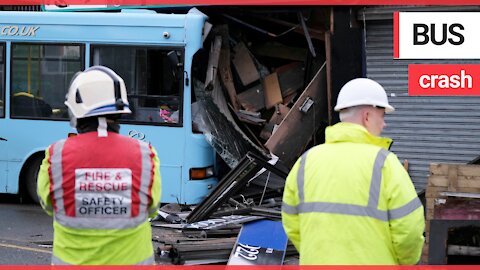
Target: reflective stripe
column 354, row 210
column 344, row 209
column 153, row 209
column 371, row 210
column 376, row 180
column 57, row 176
column 48, row 208
column 301, row 177
column 146, row 177
column 148, row 261
column 404, row 210
column 289, row 209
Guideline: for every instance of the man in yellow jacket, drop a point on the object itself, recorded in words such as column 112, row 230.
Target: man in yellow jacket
column 100, row 186
column 350, row 201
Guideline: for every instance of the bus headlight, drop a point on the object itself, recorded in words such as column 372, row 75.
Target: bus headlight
column 201, row 173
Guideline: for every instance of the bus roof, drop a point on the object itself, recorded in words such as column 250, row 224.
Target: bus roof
column 122, row 27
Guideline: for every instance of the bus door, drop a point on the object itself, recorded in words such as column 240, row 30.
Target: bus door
column 155, row 95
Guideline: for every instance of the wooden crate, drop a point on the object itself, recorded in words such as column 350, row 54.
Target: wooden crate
column 447, row 178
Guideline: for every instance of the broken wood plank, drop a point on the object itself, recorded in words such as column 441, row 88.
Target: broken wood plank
column 271, row 90
column 328, row 59
column 275, row 120
column 463, row 169
column 301, row 18
column 315, row 33
column 460, row 194
column 213, row 60
column 206, row 30
column 296, row 130
column 224, row 67
column 281, row 51
column 252, row 99
column 463, row 250
column 434, row 192
column 452, row 178
column 289, row 99
column 250, row 119
column 244, row 64
column 463, row 182
column 290, row 78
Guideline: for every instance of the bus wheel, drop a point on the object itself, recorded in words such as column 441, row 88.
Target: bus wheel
column 31, row 175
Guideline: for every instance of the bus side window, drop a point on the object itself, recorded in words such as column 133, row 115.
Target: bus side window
column 41, row 74
column 154, row 93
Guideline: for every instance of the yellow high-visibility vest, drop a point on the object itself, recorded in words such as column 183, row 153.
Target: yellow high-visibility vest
column 350, row 201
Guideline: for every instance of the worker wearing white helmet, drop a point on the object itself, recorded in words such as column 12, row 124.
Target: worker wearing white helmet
column 101, row 187
column 349, row 200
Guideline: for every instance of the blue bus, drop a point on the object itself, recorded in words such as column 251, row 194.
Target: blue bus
column 152, row 52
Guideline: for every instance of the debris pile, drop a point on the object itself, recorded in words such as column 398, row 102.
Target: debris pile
column 258, row 91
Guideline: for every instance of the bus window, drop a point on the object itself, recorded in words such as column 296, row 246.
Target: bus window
column 154, row 93
column 40, row 77
column 2, row 78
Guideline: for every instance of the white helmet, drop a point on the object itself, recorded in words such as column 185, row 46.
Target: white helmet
column 362, row 91
column 96, row 91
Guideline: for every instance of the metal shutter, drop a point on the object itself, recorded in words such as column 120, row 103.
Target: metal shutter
column 424, row 129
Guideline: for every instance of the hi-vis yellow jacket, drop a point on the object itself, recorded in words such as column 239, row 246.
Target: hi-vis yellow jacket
column 100, row 191
column 350, row 201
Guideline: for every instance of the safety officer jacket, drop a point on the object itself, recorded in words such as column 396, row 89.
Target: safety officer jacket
column 100, row 191
column 350, row 201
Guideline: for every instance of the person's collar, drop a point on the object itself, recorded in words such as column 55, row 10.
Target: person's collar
column 350, row 132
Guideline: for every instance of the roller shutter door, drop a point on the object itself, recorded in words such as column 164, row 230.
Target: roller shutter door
column 424, row 129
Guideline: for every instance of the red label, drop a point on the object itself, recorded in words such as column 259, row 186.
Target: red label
column 396, row 32
column 443, row 80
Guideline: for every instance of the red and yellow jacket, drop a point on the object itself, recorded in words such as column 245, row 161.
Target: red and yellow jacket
column 101, row 192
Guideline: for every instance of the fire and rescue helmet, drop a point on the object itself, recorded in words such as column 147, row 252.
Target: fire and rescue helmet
column 96, row 91
column 363, row 91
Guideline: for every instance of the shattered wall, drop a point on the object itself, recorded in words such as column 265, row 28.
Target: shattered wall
column 261, row 61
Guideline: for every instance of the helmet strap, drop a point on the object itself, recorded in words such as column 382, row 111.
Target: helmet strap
column 102, row 127
column 73, row 119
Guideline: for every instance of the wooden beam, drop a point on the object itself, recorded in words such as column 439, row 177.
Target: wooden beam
column 463, row 250
column 291, row 78
column 328, row 59
column 213, row 59
column 278, row 50
column 314, row 33
column 271, row 90
column 275, row 120
column 252, row 99
column 294, row 133
column 244, row 65
column 225, row 70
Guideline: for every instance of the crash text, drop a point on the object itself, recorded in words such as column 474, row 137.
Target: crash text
column 443, row 80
